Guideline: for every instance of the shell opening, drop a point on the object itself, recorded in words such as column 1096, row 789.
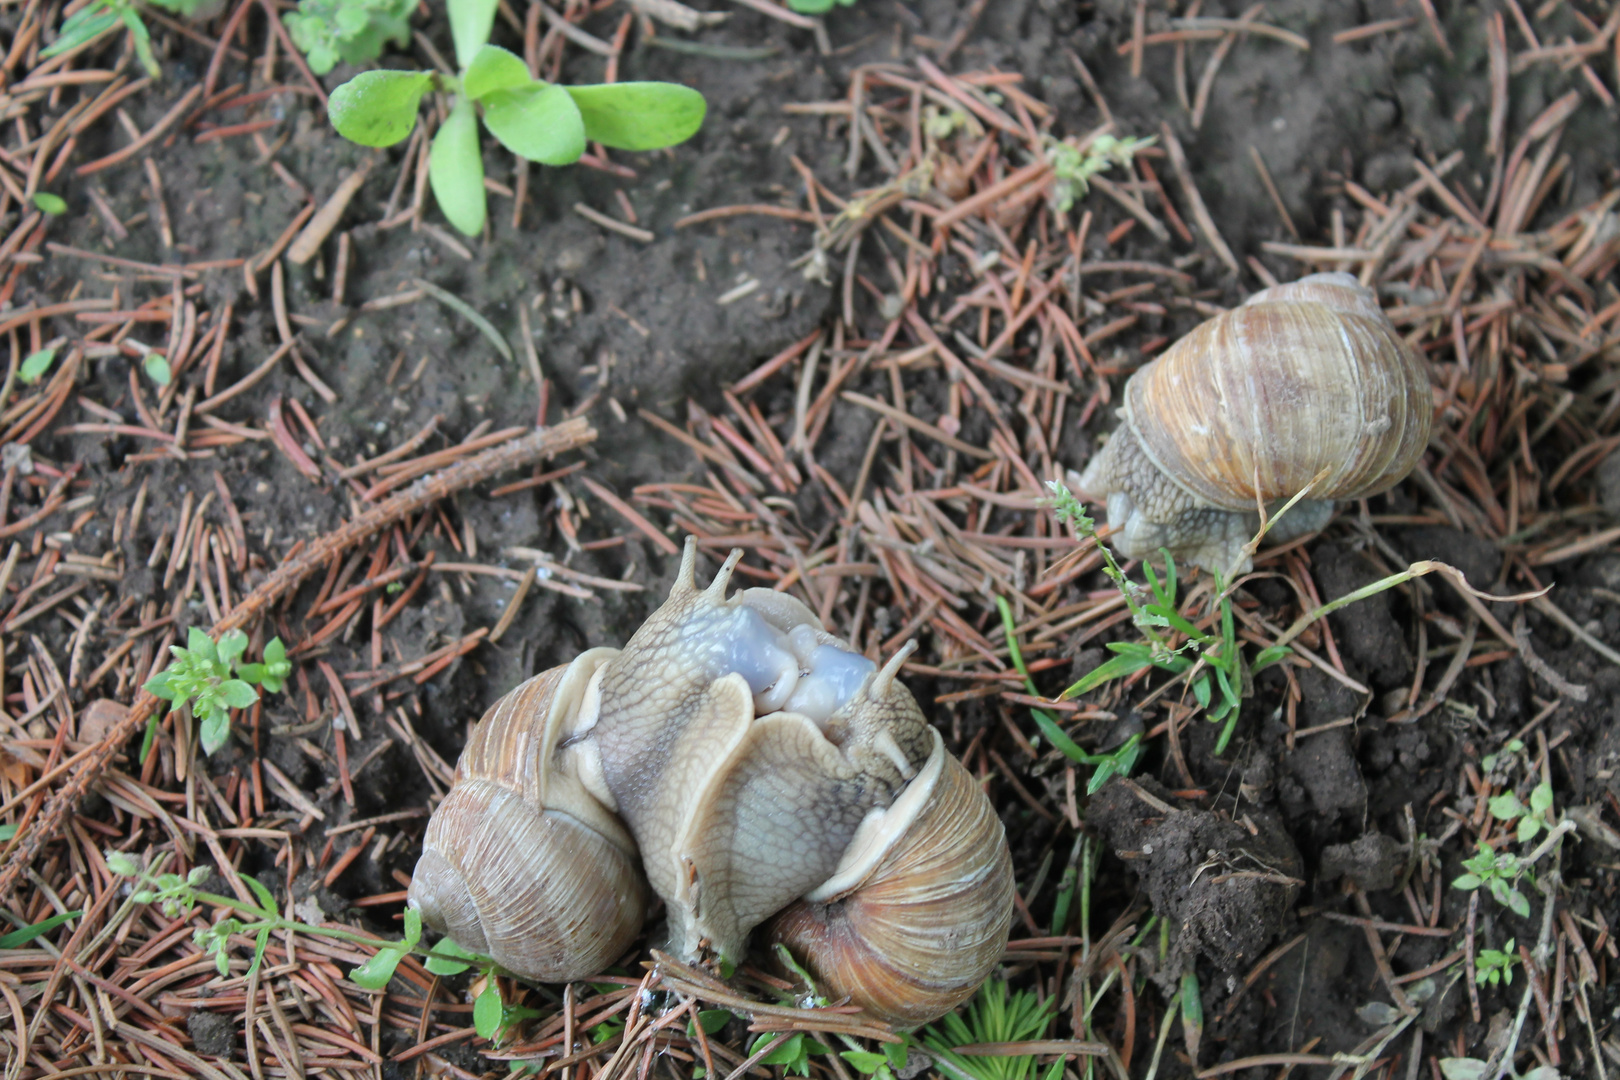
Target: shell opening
column 797, row 671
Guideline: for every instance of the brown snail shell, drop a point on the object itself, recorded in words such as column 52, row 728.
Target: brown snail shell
column 1305, row 385
column 912, row 926
column 519, row 861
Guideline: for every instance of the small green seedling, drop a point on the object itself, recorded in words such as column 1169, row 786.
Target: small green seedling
column 539, row 121
column 493, row 1018
column 1491, row 966
column 995, row 1016
column 1212, row 661
column 35, row 365
column 212, row 680
column 817, row 7
column 793, row 1055
column 350, row 31
column 1073, row 167
column 24, row 934
column 1117, row 762
column 156, row 366
column 176, row 895
column 47, row 203
column 1531, row 819
column 102, row 15
column 1499, row 873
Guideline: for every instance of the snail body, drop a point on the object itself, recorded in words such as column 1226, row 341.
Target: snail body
column 1305, row 387
column 751, row 762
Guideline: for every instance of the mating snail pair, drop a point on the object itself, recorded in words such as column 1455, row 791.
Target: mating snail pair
column 749, row 769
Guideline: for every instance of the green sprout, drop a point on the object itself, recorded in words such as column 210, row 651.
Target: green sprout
column 24, row 934
column 1211, row 661
column 817, row 7
column 1532, row 819
column 1075, row 167
column 35, row 365
column 995, row 1016
column 1117, row 762
column 210, row 678
column 1499, row 874
column 493, row 1018
column 175, row 895
column 349, row 31
column 91, row 22
column 156, row 366
column 46, row 202
column 1491, row 966
column 539, row 121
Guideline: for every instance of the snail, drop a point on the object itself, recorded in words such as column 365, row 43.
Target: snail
column 754, row 768
column 1305, row 387
column 520, row 862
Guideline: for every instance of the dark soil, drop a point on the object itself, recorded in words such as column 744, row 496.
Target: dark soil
column 1259, row 842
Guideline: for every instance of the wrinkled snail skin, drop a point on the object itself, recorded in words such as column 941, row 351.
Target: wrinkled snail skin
column 913, row 925
column 1305, row 385
column 744, row 747
column 520, row 861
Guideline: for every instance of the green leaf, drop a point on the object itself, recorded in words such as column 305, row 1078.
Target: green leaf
column 275, row 654
column 54, row 205
column 537, row 122
column 200, row 645
column 1266, row 657
column 1528, row 828
column 439, row 960
column 238, row 694
column 215, row 730
column 413, row 928
column 375, row 973
column 232, row 644
column 143, row 42
column 149, row 740
column 1200, row 688
column 162, row 686
column 639, row 115
column 786, row 1054
column 1467, row 882
column 456, row 169
column 470, row 22
column 1517, row 903
column 864, row 1061
column 378, row 108
column 896, row 1053
column 18, row 938
column 267, row 899
column 80, row 28
column 156, row 366
column 1541, row 798
column 35, row 365
column 487, row 1010
column 1506, row 807
column 251, row 673
column 1116, row 668
column 494, row 68
column 260, row 942
column 711, row 1020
